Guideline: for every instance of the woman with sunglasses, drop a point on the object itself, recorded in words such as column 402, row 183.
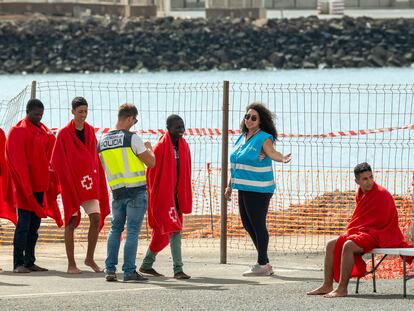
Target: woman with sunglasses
column 252, row 176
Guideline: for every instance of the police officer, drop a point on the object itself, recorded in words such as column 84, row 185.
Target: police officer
column 124, row 156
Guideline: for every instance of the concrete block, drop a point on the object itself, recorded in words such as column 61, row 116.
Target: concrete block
column 352, row 4
column 216, row 4
column 194, row 4
column 385, row 3
column 235, row 4
column 377, row 4
column 306, row 4
column 283, row 4
column 80, row 11
column 144, row 11
column 217, row 13
column 67, row 9
column 238, row 4
column 177, row 4
column 401, row 3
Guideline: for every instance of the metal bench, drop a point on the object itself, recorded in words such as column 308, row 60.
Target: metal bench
column 403, row 252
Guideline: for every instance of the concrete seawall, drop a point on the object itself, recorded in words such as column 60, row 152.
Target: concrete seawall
column 75, row 8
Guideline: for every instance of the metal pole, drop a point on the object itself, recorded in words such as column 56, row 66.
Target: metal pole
column 211, row 200
column 224, row 168
column 33, row 90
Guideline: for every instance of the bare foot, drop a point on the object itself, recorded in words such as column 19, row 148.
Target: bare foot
column 324, row 289
column 73, row 270
column 91, row 263
column 336, row 293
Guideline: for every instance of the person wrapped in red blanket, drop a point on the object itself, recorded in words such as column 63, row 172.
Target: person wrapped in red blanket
column 7, row 209
column 169, row 196
column 76, row 162
column 374, row 224
column 28, row 150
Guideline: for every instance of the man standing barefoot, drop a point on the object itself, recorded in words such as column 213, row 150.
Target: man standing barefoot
column 76, row 161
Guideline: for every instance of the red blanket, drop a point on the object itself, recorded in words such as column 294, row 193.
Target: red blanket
column 28, row 152
column 80, row 172
column 374, row 224
column 162, row 182
column 7, row 209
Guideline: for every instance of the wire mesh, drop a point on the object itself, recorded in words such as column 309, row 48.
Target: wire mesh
column 328, row 128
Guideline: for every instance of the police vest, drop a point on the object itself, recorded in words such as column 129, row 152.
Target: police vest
column 123, row 168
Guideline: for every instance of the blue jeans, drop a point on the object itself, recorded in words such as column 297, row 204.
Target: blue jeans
column 131, row 211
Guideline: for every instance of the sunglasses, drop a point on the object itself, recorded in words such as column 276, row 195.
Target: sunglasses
column 249, row 116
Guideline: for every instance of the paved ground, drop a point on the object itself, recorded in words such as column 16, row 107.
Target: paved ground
column 213, row 286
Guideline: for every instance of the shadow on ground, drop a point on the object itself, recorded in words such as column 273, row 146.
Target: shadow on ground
column 83, row 275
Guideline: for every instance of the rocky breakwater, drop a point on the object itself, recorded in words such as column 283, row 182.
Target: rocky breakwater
column 104, row 44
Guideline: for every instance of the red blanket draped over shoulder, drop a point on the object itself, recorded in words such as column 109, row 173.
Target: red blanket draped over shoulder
column 28, row 151
column 374, row 224
column 161, row 183
column 80, row 172
column 7, row 209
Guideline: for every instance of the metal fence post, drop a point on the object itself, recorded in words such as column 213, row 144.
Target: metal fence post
column 33, row 90
column 224, row 168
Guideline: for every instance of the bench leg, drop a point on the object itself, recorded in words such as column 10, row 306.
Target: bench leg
column 374, row 268
column 404, row 277
column 374, row 284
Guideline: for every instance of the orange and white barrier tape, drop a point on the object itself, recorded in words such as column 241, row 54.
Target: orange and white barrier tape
column 218, row 132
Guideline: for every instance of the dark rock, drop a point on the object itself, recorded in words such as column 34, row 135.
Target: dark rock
column 376, row 61
column 309, row 65
column 226, row 66
column 408, row 56
column 379, row 52
column 396, row 61
column 108, row 44
column 277, row 59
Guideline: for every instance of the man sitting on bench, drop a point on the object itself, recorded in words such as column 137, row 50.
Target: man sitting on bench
column 374, row 223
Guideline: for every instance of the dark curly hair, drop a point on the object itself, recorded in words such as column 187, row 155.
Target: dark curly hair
column 267, row 119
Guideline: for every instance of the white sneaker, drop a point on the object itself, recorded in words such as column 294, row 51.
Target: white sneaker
column 259, row 270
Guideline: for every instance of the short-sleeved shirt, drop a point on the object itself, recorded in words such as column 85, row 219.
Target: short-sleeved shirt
column 137, row 144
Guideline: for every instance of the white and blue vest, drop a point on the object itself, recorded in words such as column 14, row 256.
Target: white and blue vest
column 248, row 173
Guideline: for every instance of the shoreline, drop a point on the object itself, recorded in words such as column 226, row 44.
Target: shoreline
column 92, row 44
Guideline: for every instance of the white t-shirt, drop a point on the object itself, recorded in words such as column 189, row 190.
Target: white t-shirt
column 137, row 144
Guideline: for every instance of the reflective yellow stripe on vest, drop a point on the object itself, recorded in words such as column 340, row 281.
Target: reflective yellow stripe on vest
column 123, row 168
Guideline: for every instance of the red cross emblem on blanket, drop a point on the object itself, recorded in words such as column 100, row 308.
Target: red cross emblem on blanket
column 173, row 214
column 87, row 182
